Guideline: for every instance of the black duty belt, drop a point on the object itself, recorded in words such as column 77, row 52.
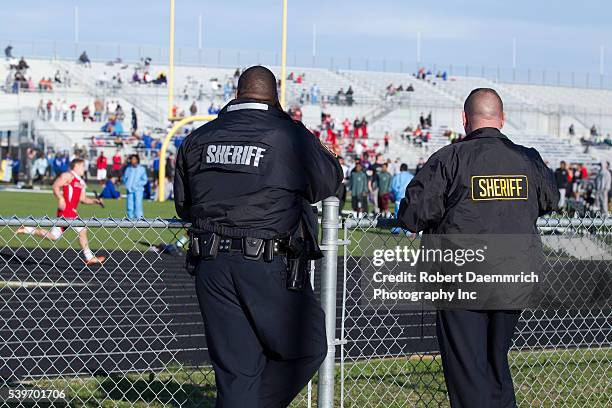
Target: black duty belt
column 206, row 245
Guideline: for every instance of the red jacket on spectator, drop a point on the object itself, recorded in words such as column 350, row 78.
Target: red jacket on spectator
column 116, row 162
column 102, row 162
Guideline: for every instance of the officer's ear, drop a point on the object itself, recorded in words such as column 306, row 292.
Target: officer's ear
column 465, row 121
column 503, row 120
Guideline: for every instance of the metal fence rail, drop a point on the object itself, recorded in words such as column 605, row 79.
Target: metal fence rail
column 130, row 332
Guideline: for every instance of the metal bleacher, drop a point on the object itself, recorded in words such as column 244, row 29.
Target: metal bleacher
column 532, row 110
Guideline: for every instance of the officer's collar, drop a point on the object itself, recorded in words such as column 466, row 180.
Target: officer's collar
column 236, row 105
column 485, row 132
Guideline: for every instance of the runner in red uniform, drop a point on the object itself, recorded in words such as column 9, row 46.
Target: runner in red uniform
column 69, row 188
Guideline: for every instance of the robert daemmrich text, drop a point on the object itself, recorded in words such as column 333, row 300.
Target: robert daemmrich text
column 440, row 294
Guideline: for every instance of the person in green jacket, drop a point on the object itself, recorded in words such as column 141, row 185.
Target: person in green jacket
column 359, row 190
column 383, row 182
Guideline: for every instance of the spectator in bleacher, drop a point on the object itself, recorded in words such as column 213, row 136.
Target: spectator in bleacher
column 386, row 139
column 422, row 121
column 228, row 89
column 314, row 94
column 193, row 109
column 161, row 79
column 98, row 109
column 86, row 114
column 349, row 96
column 72, row 109
column 410, row 88
column 101, row 167
column 110, row 190
column 603, row 182
column 358, row 184
column 147, row 141
column 593, row 131
column 136, row 77
column 40, row 110
column 8, row 52
column 363, row 125
column 22, row 65
column 135, row 178
column 428, row 120
column 562, row 179
column 134, row 119
column 84, row 60
column 49, row 108
column 64, row 110
column 571, row 130
column 356, row 127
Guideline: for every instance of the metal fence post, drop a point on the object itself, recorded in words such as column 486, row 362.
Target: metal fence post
column 329, row 271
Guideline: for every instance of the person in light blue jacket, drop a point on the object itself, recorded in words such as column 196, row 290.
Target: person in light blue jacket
column 134, row 180
column 398, row 188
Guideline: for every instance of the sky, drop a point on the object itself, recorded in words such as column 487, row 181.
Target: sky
column 558, row 35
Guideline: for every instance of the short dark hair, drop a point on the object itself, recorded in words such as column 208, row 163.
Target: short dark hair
column 483, row 101
column 135, row 156
column 258, row 82
column 403, row 167
column 76, row 161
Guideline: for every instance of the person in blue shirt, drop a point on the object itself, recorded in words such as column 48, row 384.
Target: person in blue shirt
column 109, row 190
column 399, row 182
column 15, row 170
column 134, row 179
column 59, row 164
column 117, row 128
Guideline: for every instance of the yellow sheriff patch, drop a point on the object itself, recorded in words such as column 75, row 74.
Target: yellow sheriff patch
column 500, row 187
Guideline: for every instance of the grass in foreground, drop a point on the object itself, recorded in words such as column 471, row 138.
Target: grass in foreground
column 564, row 378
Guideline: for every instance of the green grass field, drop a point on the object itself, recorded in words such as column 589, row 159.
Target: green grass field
column 542, row 379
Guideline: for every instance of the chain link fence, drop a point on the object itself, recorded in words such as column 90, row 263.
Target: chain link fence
column 129, row 332
column 559, row 358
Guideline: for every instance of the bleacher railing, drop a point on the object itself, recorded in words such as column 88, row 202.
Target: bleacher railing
column 217, row 57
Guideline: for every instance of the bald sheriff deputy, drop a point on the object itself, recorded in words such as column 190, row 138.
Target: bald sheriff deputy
column 246, row 181
column 483, row 184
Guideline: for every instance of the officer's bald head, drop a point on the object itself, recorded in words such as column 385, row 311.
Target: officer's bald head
column 483, row 108
column 258, row 83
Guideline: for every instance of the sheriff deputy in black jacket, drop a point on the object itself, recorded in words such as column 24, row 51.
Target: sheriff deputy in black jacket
column 246, row 181
column 459, row 191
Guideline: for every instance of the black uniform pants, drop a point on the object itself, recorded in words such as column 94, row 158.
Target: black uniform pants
column 265, row 342
column 474, row 347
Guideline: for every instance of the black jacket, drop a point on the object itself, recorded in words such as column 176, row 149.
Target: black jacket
column 252, row 172
column 561, row 177
column 483, row 184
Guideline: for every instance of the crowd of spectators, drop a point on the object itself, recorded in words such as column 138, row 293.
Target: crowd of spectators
column 392, row 90
column 18, row 80
column 581, row 191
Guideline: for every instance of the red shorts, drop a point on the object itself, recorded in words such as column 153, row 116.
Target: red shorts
column 383, row 201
